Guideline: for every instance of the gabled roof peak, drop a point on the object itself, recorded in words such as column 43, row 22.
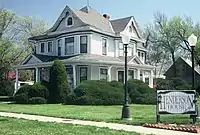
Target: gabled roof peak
column 85, row 9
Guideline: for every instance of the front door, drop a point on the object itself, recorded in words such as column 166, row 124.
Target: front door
column 121, row 76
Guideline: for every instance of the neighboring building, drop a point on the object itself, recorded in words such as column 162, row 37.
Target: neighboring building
column 90, row 46
column 183, row 70
column 11, row 75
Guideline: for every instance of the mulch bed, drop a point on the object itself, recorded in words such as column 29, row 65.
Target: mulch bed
column 184, row 128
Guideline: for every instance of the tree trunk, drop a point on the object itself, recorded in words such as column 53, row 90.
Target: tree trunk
column 174, row 64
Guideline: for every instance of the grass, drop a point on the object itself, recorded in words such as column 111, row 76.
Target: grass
column 140, row 113
column 11, row 126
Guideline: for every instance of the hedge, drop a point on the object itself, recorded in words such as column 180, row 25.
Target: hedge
column 97, row 92
column 171, row 84
column 37, row 100
column 141, row 93
column 28, row 93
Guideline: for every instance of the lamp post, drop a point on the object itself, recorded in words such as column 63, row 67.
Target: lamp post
column 192, row 40
column 126, row 115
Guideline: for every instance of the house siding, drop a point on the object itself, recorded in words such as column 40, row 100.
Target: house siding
column 96, row 45
column 94, row 72
column 76, row 23
column 184, row 71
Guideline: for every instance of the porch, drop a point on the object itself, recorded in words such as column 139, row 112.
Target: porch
column 79, row 73
column 88, row 67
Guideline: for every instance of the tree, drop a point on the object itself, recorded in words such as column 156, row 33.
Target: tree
column 162, row 38
column 59, row 86
column 14, row 34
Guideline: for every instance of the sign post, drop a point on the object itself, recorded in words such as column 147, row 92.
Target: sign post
column 176, row 102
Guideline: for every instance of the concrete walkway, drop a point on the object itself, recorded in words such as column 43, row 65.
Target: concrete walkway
column 115, row 126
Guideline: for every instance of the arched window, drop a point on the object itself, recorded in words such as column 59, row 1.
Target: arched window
column 69, row 21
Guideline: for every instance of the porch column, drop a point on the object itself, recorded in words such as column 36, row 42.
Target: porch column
column 138, row 74
column 143, row 77
column 74, row 76
column 151, row 79
column 36, row 74
column 16, row 81
column 109, row 73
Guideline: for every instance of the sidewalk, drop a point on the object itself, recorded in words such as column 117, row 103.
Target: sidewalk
column 130, row 128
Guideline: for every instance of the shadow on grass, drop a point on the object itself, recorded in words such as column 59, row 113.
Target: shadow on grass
column 2, row 120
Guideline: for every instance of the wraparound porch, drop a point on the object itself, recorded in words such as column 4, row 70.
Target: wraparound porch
column 81, row 72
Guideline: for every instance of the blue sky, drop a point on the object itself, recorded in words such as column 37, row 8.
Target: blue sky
column 143, row 10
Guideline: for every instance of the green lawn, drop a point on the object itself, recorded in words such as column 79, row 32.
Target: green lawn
column 140, row 113
column 11, row 126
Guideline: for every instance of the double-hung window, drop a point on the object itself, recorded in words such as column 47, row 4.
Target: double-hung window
column 59, row 46
column 50, row 45
column 83, row 44
column 69, row 45
column 83, row 74
column 103, row 74
column 121, row 49
column 130, row 74
column 42, row 47
column 104, row 46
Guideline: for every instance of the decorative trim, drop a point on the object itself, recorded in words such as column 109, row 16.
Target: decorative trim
column 29, row 57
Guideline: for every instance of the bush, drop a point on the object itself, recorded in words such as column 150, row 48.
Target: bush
column 59, row 86
column 6, row 87
column 70, row 99
column 21, row 98
column 38, row 90
column 27, row 92
column 141, row 93
column 37, row 100
column 98, row 92
column 117, row 84
column 172, row 84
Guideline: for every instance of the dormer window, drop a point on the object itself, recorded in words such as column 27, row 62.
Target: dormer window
column 69, row 21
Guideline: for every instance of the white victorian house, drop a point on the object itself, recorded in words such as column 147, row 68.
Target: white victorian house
column 90, row 46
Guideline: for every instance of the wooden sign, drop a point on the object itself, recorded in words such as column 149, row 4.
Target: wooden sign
column 176, row 102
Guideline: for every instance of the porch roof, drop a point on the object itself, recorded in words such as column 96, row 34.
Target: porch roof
column 45, row 60
column 78, row 57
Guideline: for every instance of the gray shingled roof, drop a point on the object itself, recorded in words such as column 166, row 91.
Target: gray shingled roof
column 120, row 24
column 47, row 58
column 93, row 18
column 79, row 57
column 129, row 58
column 94, row 57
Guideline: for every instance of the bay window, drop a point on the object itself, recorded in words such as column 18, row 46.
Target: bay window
column 83, row 44
column 50, row 45
column 69, row 45
column 42, row 47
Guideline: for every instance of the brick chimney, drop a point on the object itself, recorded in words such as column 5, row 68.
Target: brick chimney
column 106, row 16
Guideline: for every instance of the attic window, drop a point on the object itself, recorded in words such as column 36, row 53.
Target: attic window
column 130, row 29
column 69, row 21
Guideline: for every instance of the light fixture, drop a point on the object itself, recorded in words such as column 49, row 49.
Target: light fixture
column 192, row 39
column 126, row 38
